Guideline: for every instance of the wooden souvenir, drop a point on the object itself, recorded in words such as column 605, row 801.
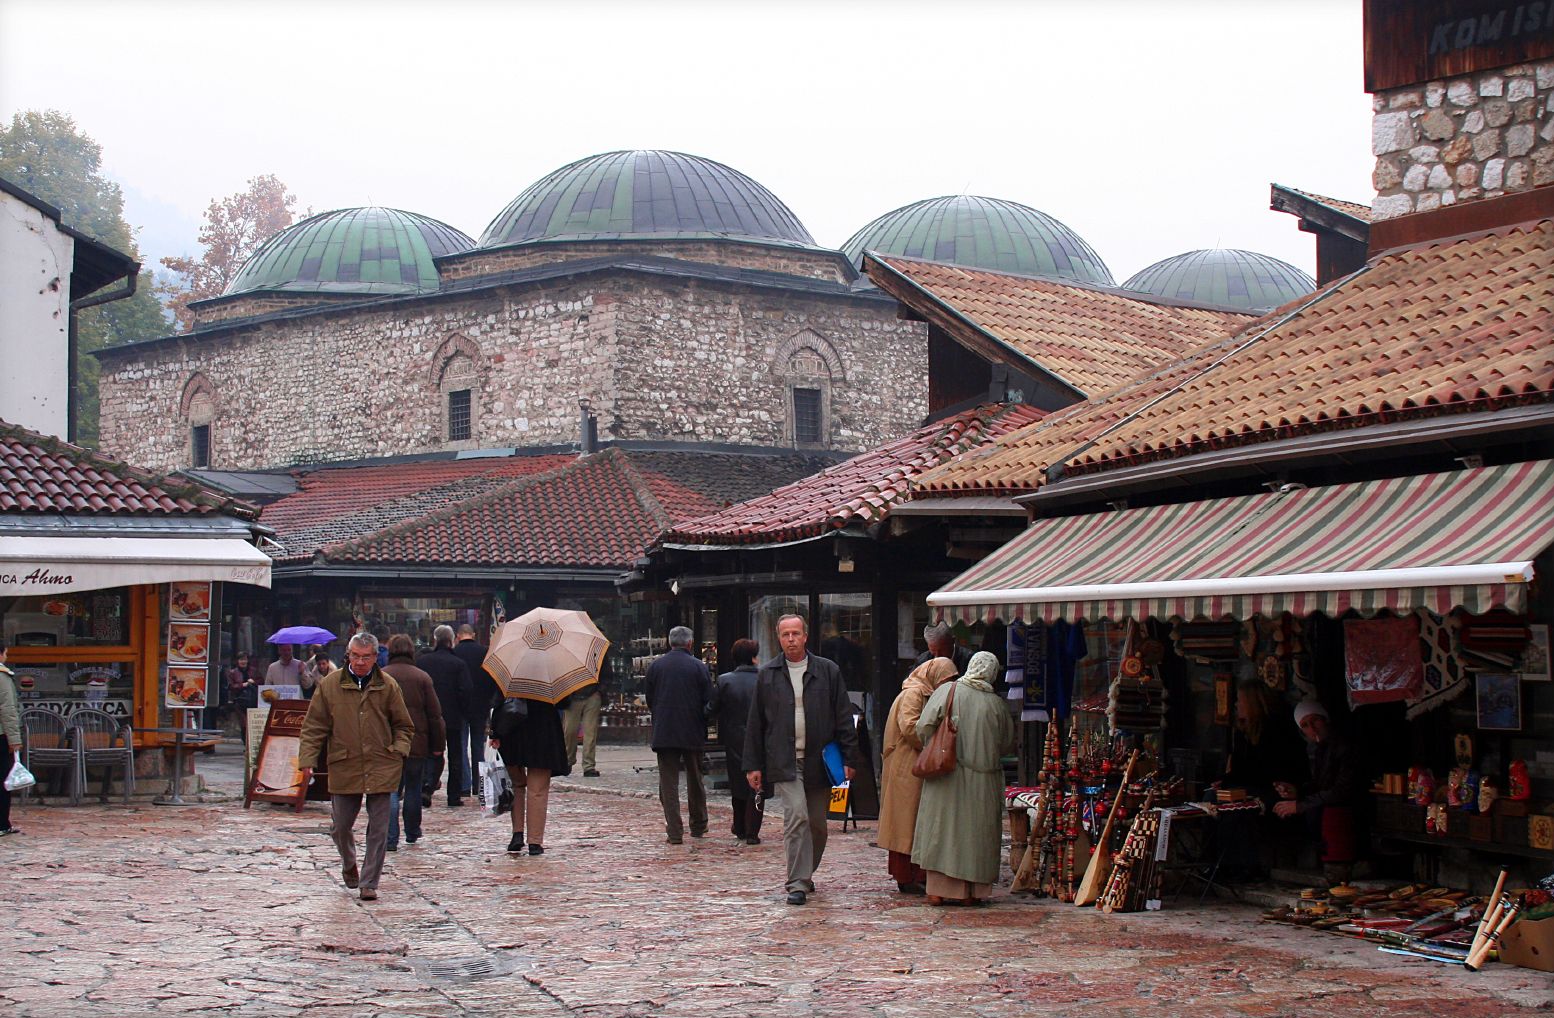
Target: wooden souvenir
column 1540, row 831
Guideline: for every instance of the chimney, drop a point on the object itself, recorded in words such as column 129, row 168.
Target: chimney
column 588, row 427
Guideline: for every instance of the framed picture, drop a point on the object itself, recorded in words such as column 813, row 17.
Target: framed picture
column 1535, row 659
column 1499, row 702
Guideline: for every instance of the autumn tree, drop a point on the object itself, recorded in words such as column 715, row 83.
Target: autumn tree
column 234, row 228
column 43, row 152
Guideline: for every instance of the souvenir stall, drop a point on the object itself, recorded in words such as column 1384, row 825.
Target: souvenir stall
column 1288, row 702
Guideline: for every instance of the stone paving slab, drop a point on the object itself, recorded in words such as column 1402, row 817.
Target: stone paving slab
column 216, row 910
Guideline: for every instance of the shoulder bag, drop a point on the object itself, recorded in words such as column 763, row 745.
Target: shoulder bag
column 938, row 757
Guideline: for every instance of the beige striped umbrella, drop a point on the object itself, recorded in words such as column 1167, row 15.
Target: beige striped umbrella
column 546, row 654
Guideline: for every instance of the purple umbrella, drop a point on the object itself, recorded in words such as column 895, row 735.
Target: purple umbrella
column 300, row 634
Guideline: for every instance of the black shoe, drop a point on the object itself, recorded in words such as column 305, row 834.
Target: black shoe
column 797, row 898
column 6, row 831
column 455, row 802
column 675, row 839
column 516, row 845
column 536, row 849
column 391, row 848
column 590, row 773
column 698, row 834
column 411, row 841
column 752, row 841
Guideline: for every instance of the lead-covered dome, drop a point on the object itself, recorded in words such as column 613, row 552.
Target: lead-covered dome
column 981, row 233
column 645, row 194
column 363, row 250
column 1225, row 277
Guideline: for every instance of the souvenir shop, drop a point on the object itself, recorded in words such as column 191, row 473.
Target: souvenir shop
column 1259, row 698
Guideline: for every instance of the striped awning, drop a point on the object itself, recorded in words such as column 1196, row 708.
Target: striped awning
column 1464, row 539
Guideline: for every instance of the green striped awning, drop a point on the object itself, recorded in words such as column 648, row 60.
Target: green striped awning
column 1464, row 539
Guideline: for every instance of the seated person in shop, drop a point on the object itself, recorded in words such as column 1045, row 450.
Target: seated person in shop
column 1263, row 751
column 1326, row 800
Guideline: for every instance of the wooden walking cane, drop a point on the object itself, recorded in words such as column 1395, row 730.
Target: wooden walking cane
column 1491, row 939
column 1486, row 922
column 1101, row 858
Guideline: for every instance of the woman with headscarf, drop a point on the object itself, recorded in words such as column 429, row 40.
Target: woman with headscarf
column 960, row 816
column 899, row 787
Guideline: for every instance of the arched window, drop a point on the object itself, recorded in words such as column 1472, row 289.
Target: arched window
column 456, row 372
column 809, row 366
column 198, row 409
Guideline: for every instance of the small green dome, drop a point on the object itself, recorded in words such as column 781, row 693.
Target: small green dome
column 645, row 194
column 365, row 250
column 1225, row 277
column 981, row 233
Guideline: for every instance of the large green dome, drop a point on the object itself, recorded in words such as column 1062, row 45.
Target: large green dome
column 645, row 194
column 981, row 233
column 365, row 250
column 1225, row 277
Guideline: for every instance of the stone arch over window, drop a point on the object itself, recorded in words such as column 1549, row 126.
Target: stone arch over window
column 808, row 365
column 197, row 408
column 456, row 374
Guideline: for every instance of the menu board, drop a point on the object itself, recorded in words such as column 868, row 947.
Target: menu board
column 188, row 646
column 275, row 776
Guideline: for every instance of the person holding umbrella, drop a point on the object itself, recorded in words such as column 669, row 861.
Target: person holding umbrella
column 537, row 661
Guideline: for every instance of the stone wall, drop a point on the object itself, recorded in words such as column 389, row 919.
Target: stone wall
column 1478, row 136
column 794, row 261
column 225, row 309
column 668, row 359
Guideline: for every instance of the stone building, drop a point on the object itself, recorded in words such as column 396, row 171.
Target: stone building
column 679, row 297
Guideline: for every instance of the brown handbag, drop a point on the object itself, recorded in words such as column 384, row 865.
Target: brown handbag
column 938, row 757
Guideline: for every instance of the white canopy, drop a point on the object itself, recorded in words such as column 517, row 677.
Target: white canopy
column 48, row 565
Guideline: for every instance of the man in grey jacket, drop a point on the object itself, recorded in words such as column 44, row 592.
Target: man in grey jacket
column 800, row 705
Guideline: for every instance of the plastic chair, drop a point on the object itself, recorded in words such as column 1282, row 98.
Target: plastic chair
column 105, row 741
column 48, row 740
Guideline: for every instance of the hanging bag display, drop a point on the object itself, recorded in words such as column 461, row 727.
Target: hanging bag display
column 938, row 757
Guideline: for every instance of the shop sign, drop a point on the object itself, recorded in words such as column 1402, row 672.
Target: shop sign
column 118, row 708
column 185, row 680
column 276, row 777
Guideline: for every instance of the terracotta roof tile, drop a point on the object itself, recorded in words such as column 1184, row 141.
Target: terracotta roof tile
column 860, row 490
column 1091, row 338
column 40, row 474
column 1453, row 325
column 598, row 511
column 1354, row 210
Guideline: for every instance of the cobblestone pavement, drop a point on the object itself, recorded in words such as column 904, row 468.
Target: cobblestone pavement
column 114, row 910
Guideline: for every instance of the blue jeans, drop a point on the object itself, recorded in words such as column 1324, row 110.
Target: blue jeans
column 458, row 765
column 410, row 795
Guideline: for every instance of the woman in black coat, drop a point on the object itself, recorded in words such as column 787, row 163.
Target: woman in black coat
column 533, row 748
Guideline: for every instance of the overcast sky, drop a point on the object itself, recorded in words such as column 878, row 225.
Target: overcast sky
column 1150, row 128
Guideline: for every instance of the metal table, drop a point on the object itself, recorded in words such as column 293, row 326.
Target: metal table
column 181, row 738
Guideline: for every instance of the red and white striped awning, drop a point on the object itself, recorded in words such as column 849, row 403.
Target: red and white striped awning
column 1465, row 539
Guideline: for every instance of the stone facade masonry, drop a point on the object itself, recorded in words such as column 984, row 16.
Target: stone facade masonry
column 1478, row 136
column 682, row 360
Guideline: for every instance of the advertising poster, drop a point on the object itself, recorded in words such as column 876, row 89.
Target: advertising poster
column 186, row 688
column 188, row 643
column 189, row 601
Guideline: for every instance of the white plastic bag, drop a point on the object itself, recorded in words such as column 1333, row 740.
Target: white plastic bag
column 19, row 778
column 496, row 788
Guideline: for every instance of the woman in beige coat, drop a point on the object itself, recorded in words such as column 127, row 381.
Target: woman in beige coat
column 900, row 789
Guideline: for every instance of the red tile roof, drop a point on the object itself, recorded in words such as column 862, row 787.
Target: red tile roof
column 860, row 490
column 1090, row 338
column 40, row 474
column 1354, row 210
column 558, row 510
column 1449, row 326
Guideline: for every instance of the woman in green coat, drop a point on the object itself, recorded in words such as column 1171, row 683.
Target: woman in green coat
column 960, row 822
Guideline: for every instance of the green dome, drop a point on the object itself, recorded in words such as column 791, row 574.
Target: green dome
column 645, row 194
column 981, row 233
column 1224, row 277
column 366, row 250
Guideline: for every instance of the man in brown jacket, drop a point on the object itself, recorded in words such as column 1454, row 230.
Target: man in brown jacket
column 361, row 712
column 426, row 747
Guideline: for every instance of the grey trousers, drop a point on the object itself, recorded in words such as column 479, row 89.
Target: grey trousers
column 803, row 829
column 670, row 763
column 345, row 809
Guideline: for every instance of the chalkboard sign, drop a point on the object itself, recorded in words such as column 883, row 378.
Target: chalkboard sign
column 276, row 777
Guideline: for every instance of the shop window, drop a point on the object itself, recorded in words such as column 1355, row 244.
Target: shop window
column 458, row 415
column 199, row 445
column 42, row 632
column 764, row 613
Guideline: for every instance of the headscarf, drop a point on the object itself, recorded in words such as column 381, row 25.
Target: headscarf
column 1306, row 708
column 983, row 668
column 934, row 672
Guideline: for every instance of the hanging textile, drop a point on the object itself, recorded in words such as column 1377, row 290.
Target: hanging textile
column 1382, row 662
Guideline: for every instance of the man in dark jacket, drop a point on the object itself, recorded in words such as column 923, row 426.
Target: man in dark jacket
column 454, row 691
column 800, row 705
column 426, row 712
column 731, row 700
column 941, row 643
column 473, row 654
column 679, row 690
